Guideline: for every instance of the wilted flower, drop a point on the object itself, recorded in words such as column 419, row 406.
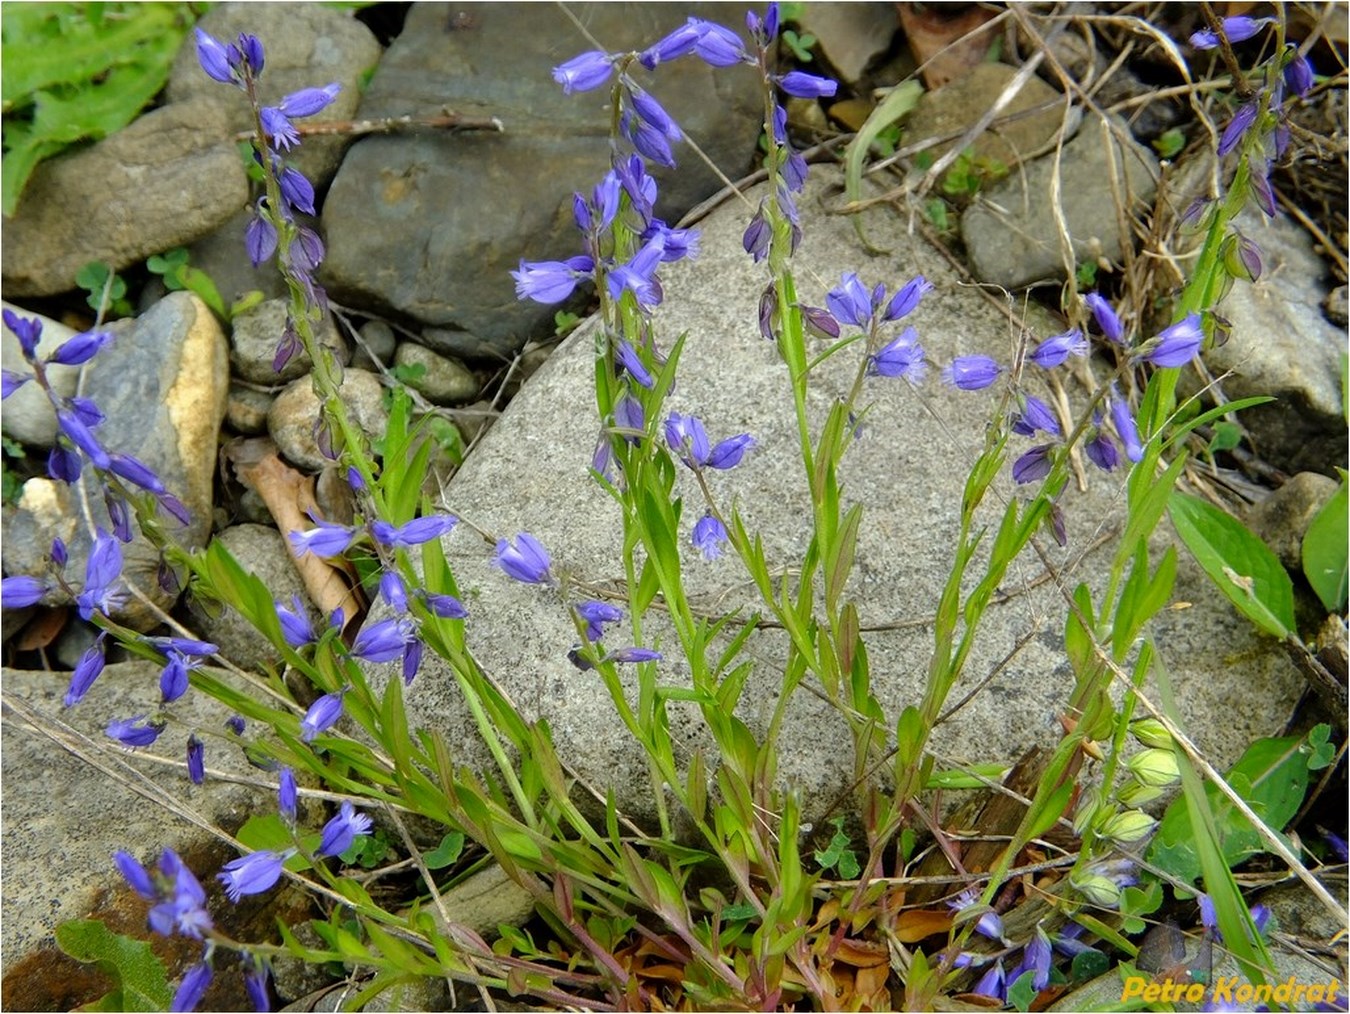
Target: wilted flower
column 1033, row 465
column 86, row 671
column 596, row 615
column 134, row 732
column 196, row 760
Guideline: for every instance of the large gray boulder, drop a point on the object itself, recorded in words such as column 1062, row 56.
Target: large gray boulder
column 427, row 224
column 530, row 474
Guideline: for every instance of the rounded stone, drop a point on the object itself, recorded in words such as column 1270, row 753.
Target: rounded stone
column 442, row 380
column 295, row 413
column 258, row 332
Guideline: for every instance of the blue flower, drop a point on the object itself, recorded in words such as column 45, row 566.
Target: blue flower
column 900, row 357
column 1036, row 415
column 729, row 452
column 130, row 732
column 135, row 471
column 1125, row 425
column 81, row 348
column 1102, row 452
column 632, row 362
column 988, row 925
column 1298, row 73
column 295, row 626
column 526, row 561
column 414, row 532
column 296, row 189
column 192, row 988
column 22, row 590
column 971, row 373
column 596, row 615
column 215, row 58
column 992, row 983
column 286, row 794
column 78, row 432
column 255, row 980
column 342, row 830
column 672, row 46
column 325, row 539
column 688, row 439
column 447, row 607
column 907, row 298
column 1106, row 318
column 11, row 382
column 321, row 716
column 183, row 901
column 653, row 113
column 638, row 275
column 1237, row 29
column 1055, row 350
column 1033, row 465
column 136, row 875
column 757, row 236
column 709, row 536
column 102, row 590
column 719, row 47
column 633, row 655
column 276, row 120
column 807, row 86
column 1237, row 127
column 584, row 72
column 260, row 236
column 1036, row 959
column 1176, row 345
column 394, row 591
column 629, row 418
column 551, row 281
column 196, row 760
column 252, row 874
column 851, row 302
column 27, row 329
column 383, row 641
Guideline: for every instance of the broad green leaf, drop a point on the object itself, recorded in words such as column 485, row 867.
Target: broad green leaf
column 141, row 982
column 1324, row 551
column 1243, row 566
column 1271, row 777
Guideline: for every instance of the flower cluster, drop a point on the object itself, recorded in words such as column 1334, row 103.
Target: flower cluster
column 239, row 64
column 77, row 419
column 1258, row 130
column 179, row 901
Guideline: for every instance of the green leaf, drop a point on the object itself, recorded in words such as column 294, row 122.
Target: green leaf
column 1271, row 777
column 1324, row 551
column 141, row 982
column 447, row 852
column 893, row 108
column 1169, row 143
column 1243, row 566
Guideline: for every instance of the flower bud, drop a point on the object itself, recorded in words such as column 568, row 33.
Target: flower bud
column 1128, row 826
column 1133, row 793
column 1151, row 732
column 1156, row 767
column 1088, row 803
column 1098, row 890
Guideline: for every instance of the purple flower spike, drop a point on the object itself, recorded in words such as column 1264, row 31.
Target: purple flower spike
column 1034, row 465
column 130, row 732
column 1176, row 345
column 551, row 281
column 321, row 716
column 252, row 874
column 192, row 988
column 709, row 536
column 971, row 373
column 585, row 72
column 81, row 348
column 729, row 452
column 901, row 357
column 342, row 830
column 1054, row 351
column 22, row 590
column 807, row 86
column 526, row 561
column 136, row 875
column 1106, row 318
column 596, row 615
